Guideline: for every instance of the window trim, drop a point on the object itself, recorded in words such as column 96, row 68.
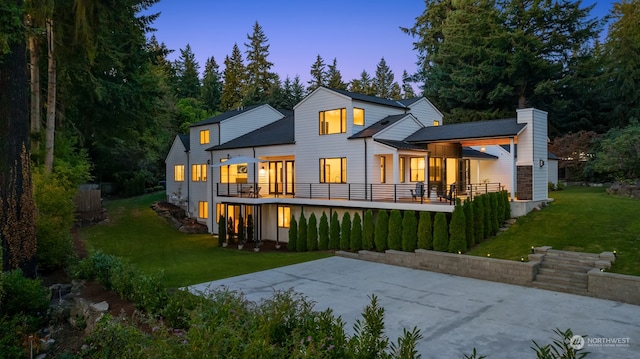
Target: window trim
column 322, row 124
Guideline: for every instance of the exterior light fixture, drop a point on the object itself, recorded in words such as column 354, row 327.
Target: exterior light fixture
column 522, row 259
column 459, row 252
column 533, row 250
column 615, row 253
column 488, row 254
column 601, row 269
column 541, row 162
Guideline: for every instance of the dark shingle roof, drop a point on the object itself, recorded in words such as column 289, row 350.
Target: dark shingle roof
column 372, row 99
column 409, row 101
column 224, row 116
column 469, row 152
column 185, row 142
column 378, row 126
column 550, row 155
column 276, row 133
column 469, row 130
column 401, row 145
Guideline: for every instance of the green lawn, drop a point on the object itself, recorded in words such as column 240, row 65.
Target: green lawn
column 136, row 233
column 580, row 219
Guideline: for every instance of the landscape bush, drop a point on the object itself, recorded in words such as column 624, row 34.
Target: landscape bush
column 293, row 234
column 488, row 226
column 469, row 221
column 425, row 231
column 409, row 231
column 222, row 230
column 440, row 233
column 495, row 224
column 334, row 232
column 323, row 233
column 301, row 245
column 345, row 231
column 478, row 220
column 507, row 205
column 394, row 239
column 382, row 229
column 457, row 229
column 24, row 297
column 356, row 233
column 368, row 228
column 312, row 233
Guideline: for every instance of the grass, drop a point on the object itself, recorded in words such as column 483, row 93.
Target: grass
column 579, row 219
column 136, row 233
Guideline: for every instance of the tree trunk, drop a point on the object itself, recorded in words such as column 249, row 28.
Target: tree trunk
column 51, row 101
column 17, row 208
column 34, row 66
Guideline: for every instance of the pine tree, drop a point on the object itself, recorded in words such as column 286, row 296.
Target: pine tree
column 394, row 239
column 187, row 70
column 383, row 81
column 469, row 222
column 495, row 226
column 486, row 203
column 301, row 245
column 457, row 230
column 335, row 77
column 297, row 90
column 440, row 233
column 409, row 231
column 235, row 75
column 425, row 231
column 312, row 233
column 318, row 75
column 507, row 205
column 363, row 85
column 293, row 234
column 323, row 233
column 222, row 230
column 382, row 231
column 334, row 232
column 211, row 89
column 478, row 220
column 259, row 77
column 368, row 227
column 356, row 233
column 345, row 233
column 407, row 89
column 241, row 231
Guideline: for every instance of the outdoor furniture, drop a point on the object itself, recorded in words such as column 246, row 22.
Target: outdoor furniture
column 450, row 196
column 256, row 193
column 418, row 192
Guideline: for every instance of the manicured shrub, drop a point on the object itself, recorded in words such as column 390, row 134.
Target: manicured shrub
column 323, row 233
column 507, row 205
column 495, row 225
column 356, row 233
column 487, row 216
column 312, row 233
column 293, row 234
column 382, row 230
column 499, row 208
column 222, row 230
column 457, row 229
column 394, row 239
column 241, row 231
column 334, row 232
column 469, row 221
column 368, row 230
column 425, row 231
column 409, row 231
column 345, row 233
column 249, row 228
column 301, row 245
column 478, row 220
column 440, row 233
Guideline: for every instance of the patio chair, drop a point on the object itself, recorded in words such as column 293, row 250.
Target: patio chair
column 450, row 196
column 418, row 192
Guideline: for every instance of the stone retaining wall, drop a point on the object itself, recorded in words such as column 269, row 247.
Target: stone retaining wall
column 619, row 287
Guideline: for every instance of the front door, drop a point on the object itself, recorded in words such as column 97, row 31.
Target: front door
column 276, row 176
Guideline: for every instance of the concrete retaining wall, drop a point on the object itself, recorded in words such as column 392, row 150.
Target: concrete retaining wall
column 497, row 270
column 619, row 287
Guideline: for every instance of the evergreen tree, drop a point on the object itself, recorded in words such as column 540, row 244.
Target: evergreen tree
column 440, row 233
column 499, row 208
column 457, row 230
column 235, row 75
column 301, row 245
column 409, row 231
column 293, row 234
column 363, row 85
column 211, row 89
column 383, row 81
column 222, row 230
column 334, row 232
column 469, row 222
column 345, row 233
column 312, row 233
column 368, row 227
column 241, row 231
column 356, row 233
column 335, row 77
column 382, row 231
column 425, row 231
column 323, row 233
column 318, row 75
column 488, row 225
column 407, row 89
column 187, row 71
column 259, row 77
column 495, row 226
column 396, row 92
column 297, row 90
column 478, row 220
column 507, row 205
column 394, row 239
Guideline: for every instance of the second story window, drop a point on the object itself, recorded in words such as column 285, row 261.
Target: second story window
column 178, row 173
column 333, row 121
column 358, row 116
column 204, row 137
column 333, row 170
column 199, row 173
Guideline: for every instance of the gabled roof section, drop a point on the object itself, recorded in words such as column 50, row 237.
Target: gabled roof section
column 276, row 133
column 371, row 99
column 550, row 156
column 185, row 142
column 468, row 152
column 401, row 145
column 379, row 126
column 409, row 101
column 469, row 130
column 225, row 116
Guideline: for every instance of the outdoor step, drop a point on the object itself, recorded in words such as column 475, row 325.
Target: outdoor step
column 563, row 273
column 574, row 282
column 566, row 266
column 569, row 254
column 560, row 288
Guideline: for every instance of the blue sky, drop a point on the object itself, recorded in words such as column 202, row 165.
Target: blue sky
column 356, row 32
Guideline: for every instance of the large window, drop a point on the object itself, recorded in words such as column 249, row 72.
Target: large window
column 333, row 121
column 199, row 173
column 219, row 211
column 203, row 209
column 178, row 173
column 333, row 170
column 204, row 137
column 435, row 169
column 402, row 170
column 233, row 173
column 416, row 169
column 358, row 116
column 284, row 216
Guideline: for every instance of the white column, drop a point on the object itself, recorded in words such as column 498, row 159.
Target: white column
column 396, row 167
column 513, row 168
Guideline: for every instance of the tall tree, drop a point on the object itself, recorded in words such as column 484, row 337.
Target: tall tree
column 235, row 74
column 211, row 89
column 383, row 81
column 297, row 90
column 407, row 88
column 187, row 71
column 335, row 77
column 363, row 85
column 17, row 209
column 259, row 76
column 318, row 75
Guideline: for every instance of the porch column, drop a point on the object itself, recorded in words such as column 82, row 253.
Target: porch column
column 426, row 170
column 478, row 171
column 513, row 168
column 396, row 168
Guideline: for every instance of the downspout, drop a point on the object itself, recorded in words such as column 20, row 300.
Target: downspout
column 514, row 171
column 188, row 179
column 213, row 214
column 366, row 177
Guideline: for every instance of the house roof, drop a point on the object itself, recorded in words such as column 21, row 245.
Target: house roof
column 224, row 116
column 378, row 126
column 409, row 101
column 372, row 99
column 469, row 130
column 550, row 156
column 185, row 141
column 468, row 152
column 276, row 133
column 401, row 145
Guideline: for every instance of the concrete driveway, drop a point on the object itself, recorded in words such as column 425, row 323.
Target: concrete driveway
column 454, row 314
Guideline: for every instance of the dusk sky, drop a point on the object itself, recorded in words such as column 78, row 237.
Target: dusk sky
column 358, row 33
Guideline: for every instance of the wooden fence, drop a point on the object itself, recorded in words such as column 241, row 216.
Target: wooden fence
column 88, row 200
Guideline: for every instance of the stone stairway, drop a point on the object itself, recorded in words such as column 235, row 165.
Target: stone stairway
column 565, row 271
